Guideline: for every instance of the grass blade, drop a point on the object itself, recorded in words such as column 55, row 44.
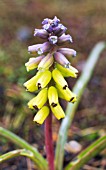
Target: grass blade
column 10, row 155
column 87, row 154
column 71, row 108
column 37, row 157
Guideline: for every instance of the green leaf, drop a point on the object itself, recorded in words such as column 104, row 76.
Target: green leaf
column 36, row 156
column 87, row 154
column 10, row 155
column 71, row 108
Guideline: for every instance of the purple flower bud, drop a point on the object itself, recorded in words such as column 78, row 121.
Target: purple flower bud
column 67, row 52
column 55, row 22
column 64, row 39
column 56, row 19
column 41, row 33
column 45, row 21
column 53, row 39
column 48, row 28
column 59, row 30
column 34, row 48
column 61, row 59
column 45, row 47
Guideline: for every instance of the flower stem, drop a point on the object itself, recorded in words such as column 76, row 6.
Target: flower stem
column 49, row 142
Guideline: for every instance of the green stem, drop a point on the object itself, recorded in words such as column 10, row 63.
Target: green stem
column 37, row 158
column 71, row 108
column 87, row 154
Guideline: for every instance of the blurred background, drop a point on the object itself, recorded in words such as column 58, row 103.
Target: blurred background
column 86, row 22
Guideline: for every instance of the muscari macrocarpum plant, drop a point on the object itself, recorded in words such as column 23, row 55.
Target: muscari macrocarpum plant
column 52, row 66
column 52, row 63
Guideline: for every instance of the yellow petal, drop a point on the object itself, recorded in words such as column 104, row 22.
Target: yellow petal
column 31, row 84
column 38, row 101
column 41, row 115
column 67, row 72
column 58, row 111
column 33, row 63
column 44, row 79
column 46, row 62
column 59, row 79
column 66, row 94
column 53, row 96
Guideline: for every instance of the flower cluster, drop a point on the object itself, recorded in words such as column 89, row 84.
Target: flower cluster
column 52, row 66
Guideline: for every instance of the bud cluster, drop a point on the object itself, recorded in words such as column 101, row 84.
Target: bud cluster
column 52, row 66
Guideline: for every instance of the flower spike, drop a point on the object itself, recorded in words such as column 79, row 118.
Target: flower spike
column 52, row 65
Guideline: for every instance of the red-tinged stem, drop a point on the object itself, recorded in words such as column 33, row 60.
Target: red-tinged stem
column 49, row 142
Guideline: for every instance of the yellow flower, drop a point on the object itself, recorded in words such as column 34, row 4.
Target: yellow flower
column 41, row 115
column 66, row 94
column 38, row 101
column 33, row 63
column 67, row 72
column 59, row 79
column 46, row 62
column 58, row 111
column 53, row 96
column 44, row 79
column 31, row 84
